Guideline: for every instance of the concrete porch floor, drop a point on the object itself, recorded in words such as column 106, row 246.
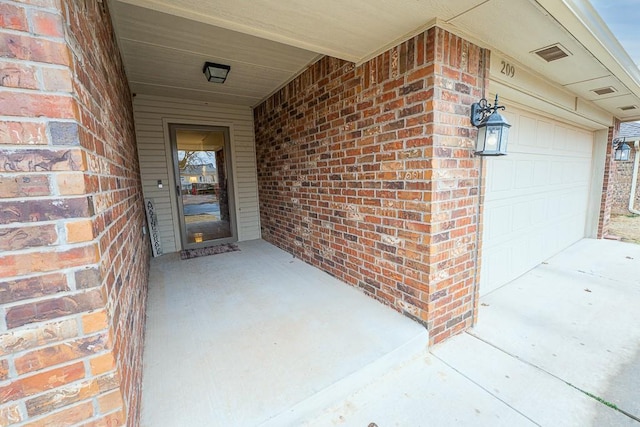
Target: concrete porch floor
column 259, row 338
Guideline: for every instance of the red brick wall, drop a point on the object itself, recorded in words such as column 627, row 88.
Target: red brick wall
column 621, row 187
column 74, row 262
column 368, row 172
column 607, row 185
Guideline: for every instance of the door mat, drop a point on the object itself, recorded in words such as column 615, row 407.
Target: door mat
column 211, row 250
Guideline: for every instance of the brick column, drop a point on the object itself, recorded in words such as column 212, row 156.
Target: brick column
column 459, row 80
column 73, row 261
column 608, row 183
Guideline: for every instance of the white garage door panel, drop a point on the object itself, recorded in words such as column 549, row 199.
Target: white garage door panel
column 535, row 198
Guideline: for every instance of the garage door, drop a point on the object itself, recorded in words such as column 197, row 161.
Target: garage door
column 535, row 197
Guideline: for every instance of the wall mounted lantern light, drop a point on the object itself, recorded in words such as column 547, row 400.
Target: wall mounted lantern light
column 493, row 129
column 623, row 150
column 216, row 73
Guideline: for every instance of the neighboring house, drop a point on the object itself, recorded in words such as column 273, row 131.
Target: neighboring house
column 344, row 132
column 198, row 174
column 626, row 174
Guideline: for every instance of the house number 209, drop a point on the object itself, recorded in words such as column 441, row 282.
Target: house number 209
column 508, row 69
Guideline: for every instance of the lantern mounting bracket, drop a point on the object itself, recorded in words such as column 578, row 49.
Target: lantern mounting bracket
column 482, row 109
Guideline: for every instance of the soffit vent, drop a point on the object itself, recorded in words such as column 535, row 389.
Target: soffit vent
column 629, row 107
column 603, row 90
column 552, row 53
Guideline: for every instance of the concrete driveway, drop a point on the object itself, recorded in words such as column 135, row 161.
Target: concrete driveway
column 559, row 346
column 571, row 324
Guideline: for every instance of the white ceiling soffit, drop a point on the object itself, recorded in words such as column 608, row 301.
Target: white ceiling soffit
column 581, row 19
column 352, row 30
column 267, row 42
column 596, row 59
column 519, row 38
column 164, row 56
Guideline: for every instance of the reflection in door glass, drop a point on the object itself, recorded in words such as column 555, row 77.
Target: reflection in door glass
column 203, row 185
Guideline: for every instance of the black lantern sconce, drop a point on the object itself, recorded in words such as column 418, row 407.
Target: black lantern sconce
column 622, row 150
column 216, row 73
column 493, row 129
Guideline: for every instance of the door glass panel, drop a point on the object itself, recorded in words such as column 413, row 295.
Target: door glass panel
column 202, row 169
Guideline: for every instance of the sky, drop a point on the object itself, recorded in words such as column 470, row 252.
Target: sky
column 623, row 19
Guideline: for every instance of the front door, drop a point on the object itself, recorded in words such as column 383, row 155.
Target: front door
column 202, row 164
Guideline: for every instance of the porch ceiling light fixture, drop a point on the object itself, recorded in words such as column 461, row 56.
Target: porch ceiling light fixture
column 622, row 150
column 493, row 129
column 216, row 73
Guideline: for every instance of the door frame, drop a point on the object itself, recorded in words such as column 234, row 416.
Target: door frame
column 170, row 129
